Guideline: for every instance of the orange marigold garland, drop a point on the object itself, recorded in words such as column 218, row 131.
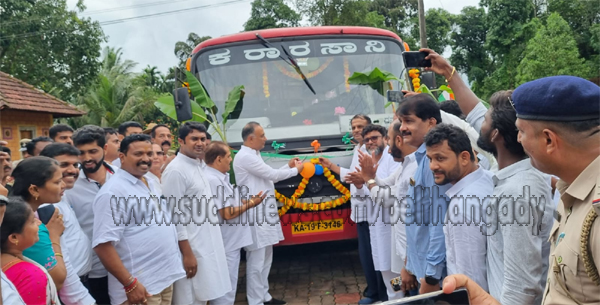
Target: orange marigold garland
column 346, row 73
column 416, row 80
column 292, row 202
column 265, row 81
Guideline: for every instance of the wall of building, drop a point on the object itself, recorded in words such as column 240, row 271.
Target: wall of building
column 13, row 121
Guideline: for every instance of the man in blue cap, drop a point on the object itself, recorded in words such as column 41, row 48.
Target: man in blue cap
column 558, row 119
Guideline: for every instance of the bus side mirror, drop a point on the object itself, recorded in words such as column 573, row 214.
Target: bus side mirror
column 183, row 105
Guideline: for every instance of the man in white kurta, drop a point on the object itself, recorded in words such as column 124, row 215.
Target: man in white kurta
column 185, row 182
column 391, row 191
column 380, row 229
column 252, row 172
column 232, row 209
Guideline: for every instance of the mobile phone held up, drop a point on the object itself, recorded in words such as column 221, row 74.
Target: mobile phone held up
column 395, row 96
column 458, row 297
column 415, row 59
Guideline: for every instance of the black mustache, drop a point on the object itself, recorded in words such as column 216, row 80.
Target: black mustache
column 72, row 175
column 406, row 133
column 165, row 143
column 143, row 162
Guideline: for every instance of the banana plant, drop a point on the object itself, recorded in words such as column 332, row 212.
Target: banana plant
column 377, row 79
column 204, row 108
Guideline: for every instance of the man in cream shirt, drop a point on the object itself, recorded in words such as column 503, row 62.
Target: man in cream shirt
column 252, row 172
column 200, row 240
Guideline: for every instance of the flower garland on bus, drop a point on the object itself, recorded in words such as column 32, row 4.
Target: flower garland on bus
column 292, row 202
column 295, row 75
column 265, row 81
column 416, row 81
column 346, row 73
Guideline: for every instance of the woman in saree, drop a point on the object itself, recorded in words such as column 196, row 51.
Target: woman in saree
column 19, row 231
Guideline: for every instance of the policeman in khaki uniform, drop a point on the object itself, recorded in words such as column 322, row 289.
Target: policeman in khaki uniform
column 559, row 126
column 558, row 119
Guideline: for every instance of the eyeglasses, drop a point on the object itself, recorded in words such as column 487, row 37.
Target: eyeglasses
column 372, row 139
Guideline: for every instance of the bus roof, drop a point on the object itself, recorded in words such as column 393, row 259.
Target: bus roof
column 299, row 31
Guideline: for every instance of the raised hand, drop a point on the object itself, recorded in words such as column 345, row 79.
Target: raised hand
column 367, row 165
column 439, row 64
column 355, row 178
column 292, row 162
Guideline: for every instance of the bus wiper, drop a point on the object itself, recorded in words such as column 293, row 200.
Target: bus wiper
column 290, row 61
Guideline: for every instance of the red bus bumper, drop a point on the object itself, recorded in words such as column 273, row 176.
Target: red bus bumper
column 313, row 227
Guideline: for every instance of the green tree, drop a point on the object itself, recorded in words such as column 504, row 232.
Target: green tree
column 183, row 49
column 45, row 44
column 562, row 58
column 398, row 17
column 438, row 25
column 267, row 14
column 582, row 16
column 117, row 95
column 467, row 39
column 509, row 27
column 342, row 12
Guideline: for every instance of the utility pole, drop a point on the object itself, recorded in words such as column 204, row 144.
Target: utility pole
column 422, row 31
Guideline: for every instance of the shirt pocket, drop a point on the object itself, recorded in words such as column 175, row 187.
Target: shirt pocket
column 567, row 261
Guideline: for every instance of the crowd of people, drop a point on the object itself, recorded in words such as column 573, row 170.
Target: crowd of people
column 502, row 201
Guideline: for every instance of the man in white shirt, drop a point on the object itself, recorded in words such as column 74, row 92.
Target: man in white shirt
column 391, row 191
column 375, row 138
column 452, row 160
column 126, row 129
column 111, row 147
column 252, row 172
column 78, row 259
column 200, row 241
column 90, row 141
column 141, row 256
column 358, row 215
column 235, row 232
column 161, row 135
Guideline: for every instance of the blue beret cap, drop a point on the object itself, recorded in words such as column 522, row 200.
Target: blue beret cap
column 557, row 98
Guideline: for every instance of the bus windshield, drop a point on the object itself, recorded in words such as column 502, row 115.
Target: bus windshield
column 277, row 97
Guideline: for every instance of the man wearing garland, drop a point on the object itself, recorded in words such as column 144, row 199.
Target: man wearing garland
column 253, row 173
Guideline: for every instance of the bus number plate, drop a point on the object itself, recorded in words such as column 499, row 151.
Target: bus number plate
column 317, row 226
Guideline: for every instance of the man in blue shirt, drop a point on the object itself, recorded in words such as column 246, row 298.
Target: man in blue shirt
column 426, row 202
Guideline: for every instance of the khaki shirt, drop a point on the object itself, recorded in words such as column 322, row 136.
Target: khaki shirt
column 566, row 255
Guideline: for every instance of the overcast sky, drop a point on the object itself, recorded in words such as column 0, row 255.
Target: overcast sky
column 150, row 41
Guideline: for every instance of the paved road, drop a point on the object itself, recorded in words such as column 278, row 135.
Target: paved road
column 324, row 273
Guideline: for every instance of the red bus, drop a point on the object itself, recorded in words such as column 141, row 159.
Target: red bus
column 277, row 97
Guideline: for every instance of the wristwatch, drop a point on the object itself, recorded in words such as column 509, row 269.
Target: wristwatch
column 430, row 280
column 371, row 181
